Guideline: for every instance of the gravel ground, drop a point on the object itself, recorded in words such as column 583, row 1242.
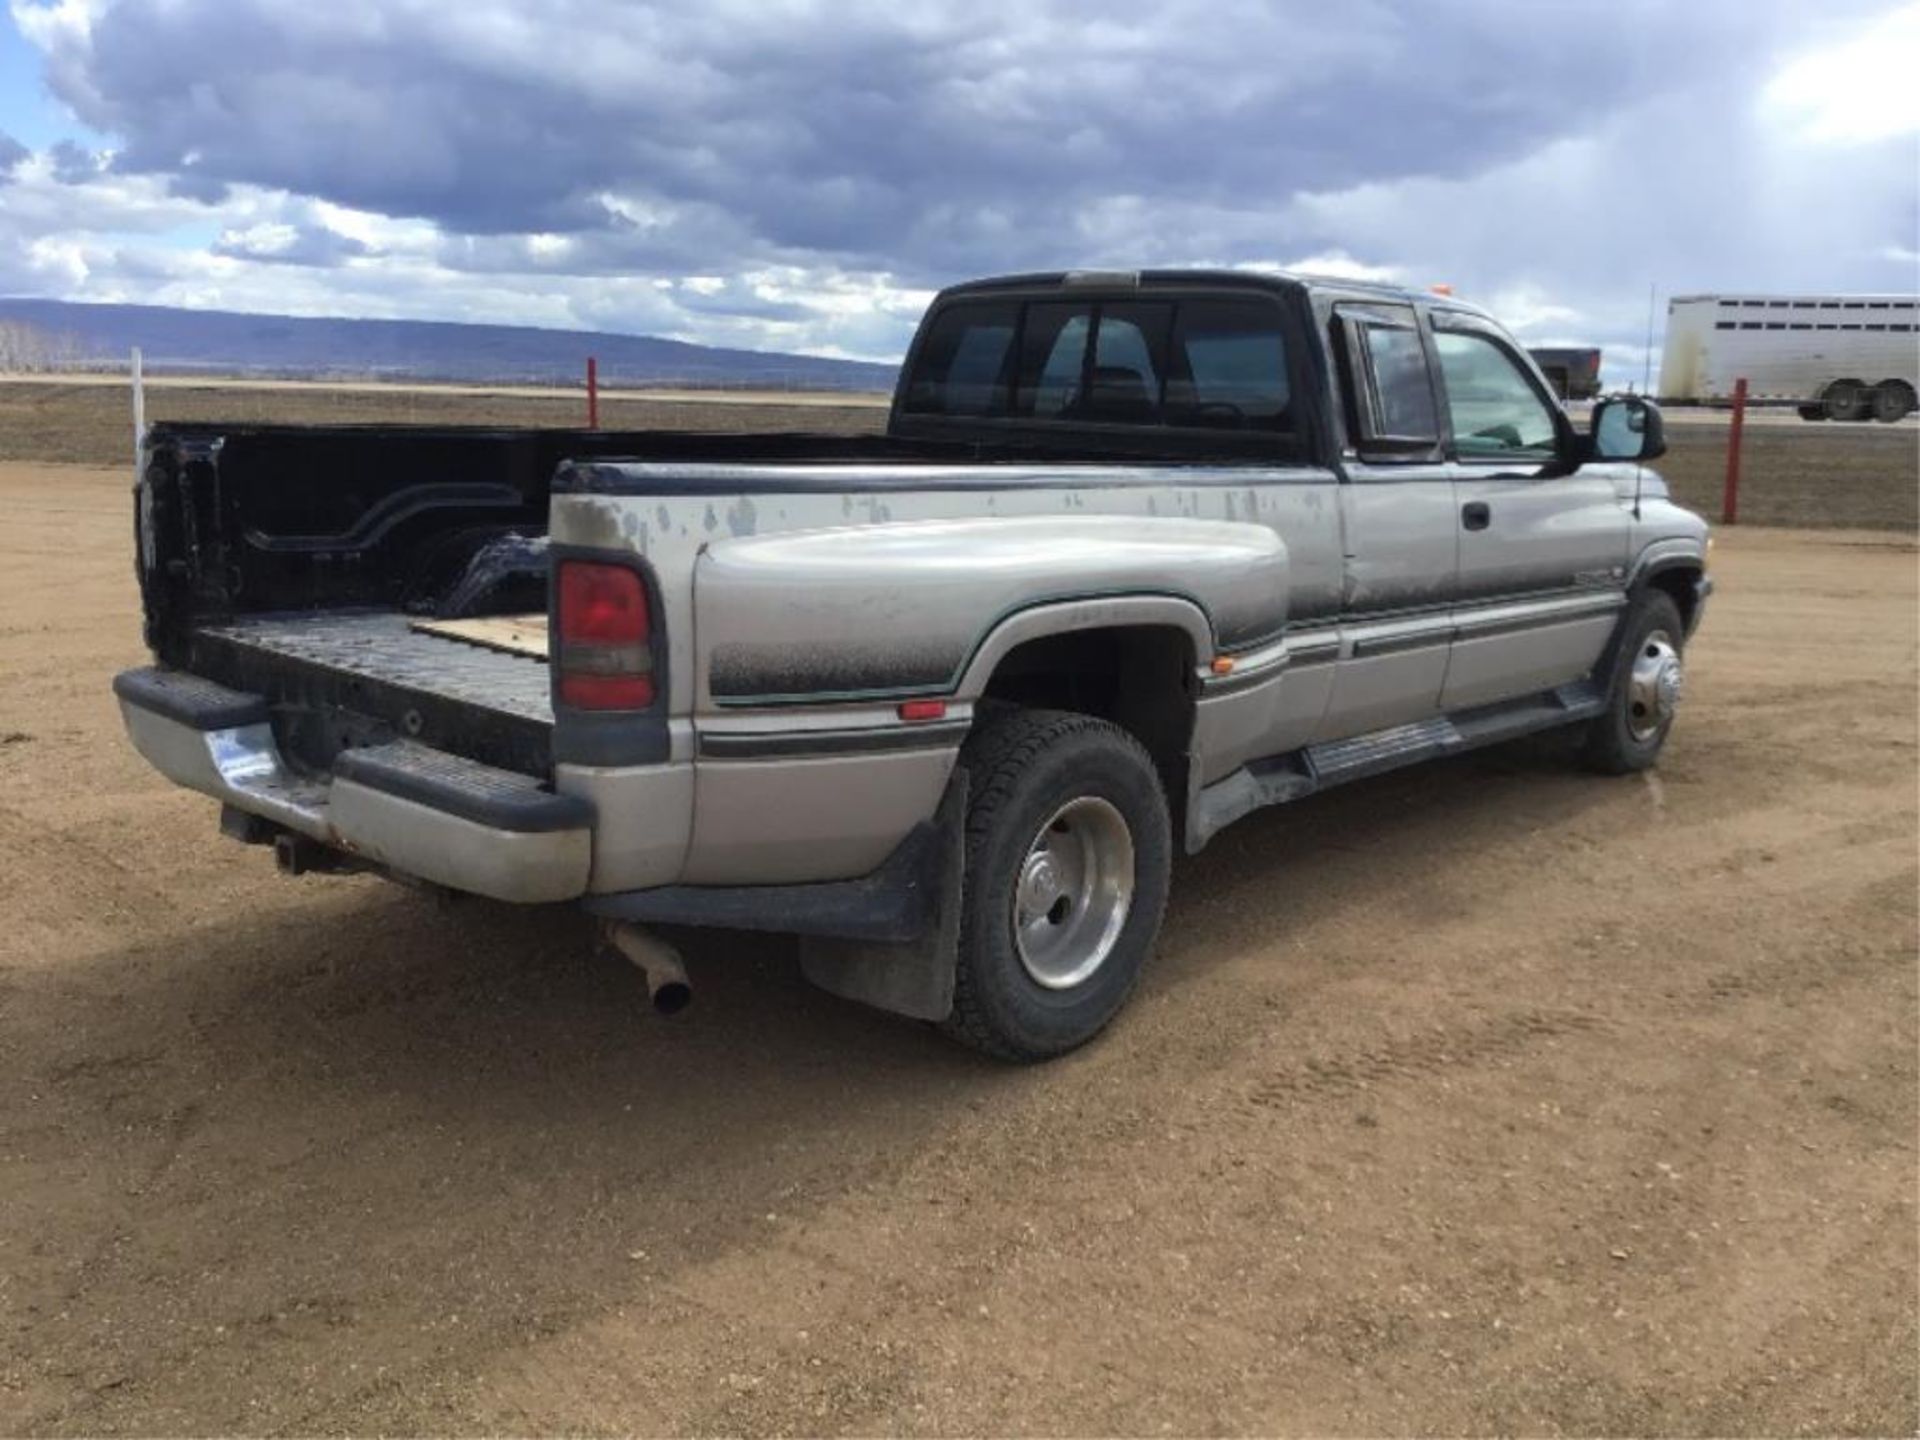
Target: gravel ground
column 1488, row 1097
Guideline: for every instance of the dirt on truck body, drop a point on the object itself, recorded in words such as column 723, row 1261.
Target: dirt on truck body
column 1138, row 555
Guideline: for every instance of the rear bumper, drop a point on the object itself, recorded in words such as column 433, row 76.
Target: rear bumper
column 402, row 806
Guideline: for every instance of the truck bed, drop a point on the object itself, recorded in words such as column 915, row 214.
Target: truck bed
column 347, row 679
column 387, row 648
column 297, row 563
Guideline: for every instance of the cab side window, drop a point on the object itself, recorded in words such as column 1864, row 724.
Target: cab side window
column 1496, row 412
column 1402, row 392
column 1392, row 414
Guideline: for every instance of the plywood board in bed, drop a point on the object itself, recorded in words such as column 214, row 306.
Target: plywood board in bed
column 515, row 634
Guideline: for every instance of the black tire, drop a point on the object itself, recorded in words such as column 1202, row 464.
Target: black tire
column 1812, row 412
column 1625, row 737
column 1023, row 767
column 1892, row 401
column 1845, row 400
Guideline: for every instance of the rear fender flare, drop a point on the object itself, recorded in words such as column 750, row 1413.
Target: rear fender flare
column 1102, row 612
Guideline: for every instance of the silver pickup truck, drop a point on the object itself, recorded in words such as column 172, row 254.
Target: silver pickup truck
column 1138, row 553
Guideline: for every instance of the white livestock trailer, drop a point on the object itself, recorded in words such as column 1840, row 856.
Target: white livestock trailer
column 1838, row 357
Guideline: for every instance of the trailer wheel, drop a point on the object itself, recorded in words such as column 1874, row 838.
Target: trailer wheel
column 1812, row 412
column 1892, row 401
column 1845, row 400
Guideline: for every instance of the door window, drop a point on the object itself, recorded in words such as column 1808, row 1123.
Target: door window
column 1496, row 412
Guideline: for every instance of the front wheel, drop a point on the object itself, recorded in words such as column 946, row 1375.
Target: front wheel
column 1643, row 690
column 1068, row 853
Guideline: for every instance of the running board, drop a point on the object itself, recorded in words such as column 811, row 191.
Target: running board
column 1279, row 779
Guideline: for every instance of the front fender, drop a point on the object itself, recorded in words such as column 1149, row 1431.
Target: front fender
column 1673, row 552
column 899, row 609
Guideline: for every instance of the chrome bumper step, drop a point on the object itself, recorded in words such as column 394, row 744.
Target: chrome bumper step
column 462, row 787
column 403, row 805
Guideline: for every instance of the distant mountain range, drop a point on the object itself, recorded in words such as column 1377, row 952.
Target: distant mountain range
column 232, row 343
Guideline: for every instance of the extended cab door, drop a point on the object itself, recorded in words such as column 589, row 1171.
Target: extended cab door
column 1542, row 555
column 1398, row 515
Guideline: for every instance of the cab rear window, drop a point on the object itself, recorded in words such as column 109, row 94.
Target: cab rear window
column 1216, row 364
column 962, row 368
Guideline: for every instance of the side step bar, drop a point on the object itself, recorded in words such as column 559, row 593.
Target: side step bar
column 1300, row 773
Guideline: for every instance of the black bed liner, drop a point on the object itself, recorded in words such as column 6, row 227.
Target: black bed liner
column 346, row 680
column 382, row 647
column 257, row 519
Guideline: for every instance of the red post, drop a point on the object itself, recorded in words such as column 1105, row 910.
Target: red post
column 1730, row 496
column 593, row 393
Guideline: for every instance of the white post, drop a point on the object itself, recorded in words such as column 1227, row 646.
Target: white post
column 139, row 407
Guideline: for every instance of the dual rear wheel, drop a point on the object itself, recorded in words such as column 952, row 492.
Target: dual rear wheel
column 1068, row 852
column 1069, row 848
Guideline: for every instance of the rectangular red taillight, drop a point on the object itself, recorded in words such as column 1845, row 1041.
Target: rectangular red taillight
column 604, row 630
column 602, row 605
column 606, row 692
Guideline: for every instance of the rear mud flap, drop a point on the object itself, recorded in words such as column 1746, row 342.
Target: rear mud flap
column 915, row 977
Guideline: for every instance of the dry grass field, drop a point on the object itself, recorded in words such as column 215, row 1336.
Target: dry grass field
column 1830, row 476
column 1487, row 1097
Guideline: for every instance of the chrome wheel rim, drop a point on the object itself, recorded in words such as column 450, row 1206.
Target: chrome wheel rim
column 1655, row 687
column 1072, row 893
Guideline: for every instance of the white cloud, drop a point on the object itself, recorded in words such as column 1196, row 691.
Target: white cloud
column 1528, row 309
column 117, row 238
column 802, row 175
column 1864, row 88
column 1339, row 265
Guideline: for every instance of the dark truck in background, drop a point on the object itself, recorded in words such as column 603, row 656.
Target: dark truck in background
column 1138, row 554
column 1572, row 371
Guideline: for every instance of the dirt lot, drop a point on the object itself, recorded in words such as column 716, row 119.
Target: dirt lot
column 1487, row 1097
column 1848, row 476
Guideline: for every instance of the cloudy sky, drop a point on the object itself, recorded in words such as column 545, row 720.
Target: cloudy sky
column 796, row 175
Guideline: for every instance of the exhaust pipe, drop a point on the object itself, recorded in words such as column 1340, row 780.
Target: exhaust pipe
column 659, row 962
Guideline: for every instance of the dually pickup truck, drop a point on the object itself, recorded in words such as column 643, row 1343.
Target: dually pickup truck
column 1138, row 553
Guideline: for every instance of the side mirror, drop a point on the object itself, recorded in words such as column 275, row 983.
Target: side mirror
column 1627, row 428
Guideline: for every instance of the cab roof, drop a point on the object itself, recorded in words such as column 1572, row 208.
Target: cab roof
column 1271, row 281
